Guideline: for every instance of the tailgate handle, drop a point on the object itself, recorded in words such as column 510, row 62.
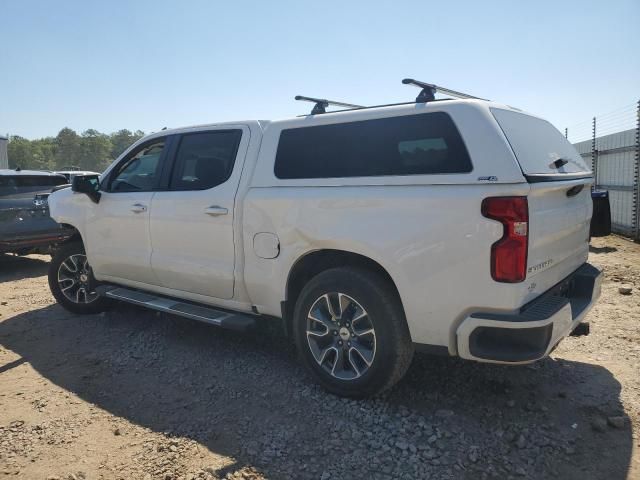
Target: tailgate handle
column 573, row 191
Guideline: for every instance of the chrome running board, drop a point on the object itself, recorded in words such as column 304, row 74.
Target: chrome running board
column 221, row 318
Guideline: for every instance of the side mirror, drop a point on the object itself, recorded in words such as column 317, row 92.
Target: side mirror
column 87, row 184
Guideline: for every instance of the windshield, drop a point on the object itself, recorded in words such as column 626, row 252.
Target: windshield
column 538, row 146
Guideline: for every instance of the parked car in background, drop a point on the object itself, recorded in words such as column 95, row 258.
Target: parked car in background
column 25, row 224
column 71, row 172
column 453, row 226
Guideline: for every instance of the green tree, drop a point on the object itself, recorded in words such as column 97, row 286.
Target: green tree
column 31, row 154
column 122, row 139
column 20, row 153
column 44, row 153
column 95, row 150
column 68, row 151
column 90, row 151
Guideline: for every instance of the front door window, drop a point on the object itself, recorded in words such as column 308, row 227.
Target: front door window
column 141, row 171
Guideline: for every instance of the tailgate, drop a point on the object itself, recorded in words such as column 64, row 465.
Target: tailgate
column 559, row 218
column 560, row 204
column 24, row 215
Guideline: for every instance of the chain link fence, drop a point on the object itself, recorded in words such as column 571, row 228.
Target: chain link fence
column 611, row 143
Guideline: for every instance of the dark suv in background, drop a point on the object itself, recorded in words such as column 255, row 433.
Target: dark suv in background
column 25, row 224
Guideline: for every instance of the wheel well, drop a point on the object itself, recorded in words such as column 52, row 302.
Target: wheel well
column 316, row 262
column 75, row 237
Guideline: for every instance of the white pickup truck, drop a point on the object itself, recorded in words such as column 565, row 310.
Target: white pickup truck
column 453, row 226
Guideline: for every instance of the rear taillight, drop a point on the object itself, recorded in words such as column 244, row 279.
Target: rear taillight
column 509, row 254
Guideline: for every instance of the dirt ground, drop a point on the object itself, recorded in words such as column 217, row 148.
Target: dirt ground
column 132, row 394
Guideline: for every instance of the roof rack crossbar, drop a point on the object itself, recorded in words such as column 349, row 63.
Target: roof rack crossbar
column 429, row 90
column 321, row 104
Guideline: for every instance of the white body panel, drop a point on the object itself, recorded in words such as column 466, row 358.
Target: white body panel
column 117, row 236
column 437, row 260
column 426, row 231
column 193, row 239
column 558, row 231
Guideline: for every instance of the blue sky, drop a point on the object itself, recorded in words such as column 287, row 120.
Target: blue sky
column 149, row 64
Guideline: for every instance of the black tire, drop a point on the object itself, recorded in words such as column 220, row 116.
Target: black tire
column 64, row 253
column 393, row 349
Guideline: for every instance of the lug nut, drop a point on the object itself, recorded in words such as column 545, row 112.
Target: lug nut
column 340, row 342
column 348, row 344
column 335, row 332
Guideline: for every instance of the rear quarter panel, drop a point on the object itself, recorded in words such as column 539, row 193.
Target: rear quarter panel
column 431, row 239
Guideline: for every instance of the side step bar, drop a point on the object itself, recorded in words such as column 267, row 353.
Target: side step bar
column 221, row 318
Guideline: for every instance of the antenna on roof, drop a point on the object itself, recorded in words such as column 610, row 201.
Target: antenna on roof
column 321, row 104
column 429, row 90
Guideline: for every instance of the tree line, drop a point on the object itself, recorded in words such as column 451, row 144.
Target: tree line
column 90, row 150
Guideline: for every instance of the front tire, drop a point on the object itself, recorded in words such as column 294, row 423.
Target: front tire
column 71, row 281
column 351, row 332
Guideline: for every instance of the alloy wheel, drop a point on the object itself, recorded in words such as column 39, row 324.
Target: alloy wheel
column 340, row 335
column 74, row 279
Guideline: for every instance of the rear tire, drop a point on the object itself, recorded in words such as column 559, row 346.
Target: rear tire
column 71, row 281
column 351, row 332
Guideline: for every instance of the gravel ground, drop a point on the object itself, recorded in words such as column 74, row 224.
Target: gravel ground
column 137, row 395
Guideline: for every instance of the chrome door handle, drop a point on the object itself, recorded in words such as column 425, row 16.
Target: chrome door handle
column 215, row 210
column 138, row 208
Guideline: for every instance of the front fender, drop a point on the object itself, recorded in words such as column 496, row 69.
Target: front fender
column 69, row 208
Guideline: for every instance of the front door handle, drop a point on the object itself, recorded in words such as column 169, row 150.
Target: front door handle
column 215, row 211
column 138, row 208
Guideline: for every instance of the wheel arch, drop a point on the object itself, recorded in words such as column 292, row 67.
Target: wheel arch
column 312, row 263
column 75, row 236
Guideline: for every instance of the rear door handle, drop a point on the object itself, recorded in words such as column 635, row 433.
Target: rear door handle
column 138, row 208
column 215, row 211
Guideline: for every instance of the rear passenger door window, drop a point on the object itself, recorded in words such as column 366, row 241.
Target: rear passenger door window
column 423, row 144
column 204, row 160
